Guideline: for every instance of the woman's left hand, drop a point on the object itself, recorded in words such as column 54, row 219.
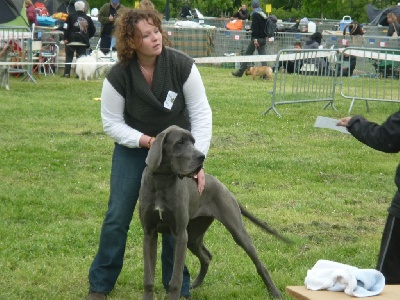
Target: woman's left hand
column 201, row 181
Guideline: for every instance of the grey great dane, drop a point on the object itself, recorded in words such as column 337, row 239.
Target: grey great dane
column 170, row 202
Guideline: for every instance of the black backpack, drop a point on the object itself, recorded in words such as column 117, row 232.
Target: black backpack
column 270, row 26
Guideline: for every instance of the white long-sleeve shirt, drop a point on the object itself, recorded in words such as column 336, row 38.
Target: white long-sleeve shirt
column 200, row 115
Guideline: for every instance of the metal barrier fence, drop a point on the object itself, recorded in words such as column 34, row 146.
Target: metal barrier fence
column 371, row 74
column 367, row 74
column 210, row 41
column 231, row 41
column 20, row 38
column 201, row 42
column 308, row 77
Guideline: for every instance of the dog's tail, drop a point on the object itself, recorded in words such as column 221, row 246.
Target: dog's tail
column 263, row 225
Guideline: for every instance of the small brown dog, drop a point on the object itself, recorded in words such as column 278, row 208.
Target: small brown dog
column 259, row 71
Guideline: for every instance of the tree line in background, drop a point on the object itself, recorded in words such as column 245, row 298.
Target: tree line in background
column 283, row 9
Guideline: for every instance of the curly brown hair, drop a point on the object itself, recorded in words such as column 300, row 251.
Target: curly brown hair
column 127, row 35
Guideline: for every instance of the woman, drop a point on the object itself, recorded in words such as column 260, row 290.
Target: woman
column 30, row 13
column 79, row 28
column 394, row 26
column 136, row 107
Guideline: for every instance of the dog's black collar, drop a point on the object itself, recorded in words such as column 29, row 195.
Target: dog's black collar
column 168, row 174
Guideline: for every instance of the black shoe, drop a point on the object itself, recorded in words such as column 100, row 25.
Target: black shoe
column 237, row 74
column 66, row 75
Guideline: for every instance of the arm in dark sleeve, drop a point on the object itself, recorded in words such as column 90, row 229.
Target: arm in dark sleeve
column 92, row 29
column 104, row 14
column 390, row 29
column 385, row 137
column 67, row 32
column 244, row 14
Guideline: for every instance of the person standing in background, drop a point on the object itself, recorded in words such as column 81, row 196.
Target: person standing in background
column 78, row 29
column 258, row 36
column 107, row 14
column 30, row 13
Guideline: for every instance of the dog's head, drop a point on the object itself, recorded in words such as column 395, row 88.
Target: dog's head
column 4, row 51
column 173, row 151
column 248, row 71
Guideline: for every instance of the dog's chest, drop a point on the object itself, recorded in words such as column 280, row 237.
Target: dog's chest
column 157, row 188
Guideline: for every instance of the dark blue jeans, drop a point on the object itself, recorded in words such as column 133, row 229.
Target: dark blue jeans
column 126, row 174
column 106, row 43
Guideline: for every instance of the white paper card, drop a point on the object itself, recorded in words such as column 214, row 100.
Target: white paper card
column 171, row 96
column 329, row 123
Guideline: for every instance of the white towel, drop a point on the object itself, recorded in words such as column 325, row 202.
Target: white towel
column 337, row 277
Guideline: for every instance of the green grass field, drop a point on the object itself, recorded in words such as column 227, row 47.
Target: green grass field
column 321, row 188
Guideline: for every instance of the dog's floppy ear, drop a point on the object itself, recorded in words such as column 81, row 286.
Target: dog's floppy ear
column 154, row 157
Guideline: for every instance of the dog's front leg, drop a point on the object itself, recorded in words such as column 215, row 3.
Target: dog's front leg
column 149, row 257
column 180, row 250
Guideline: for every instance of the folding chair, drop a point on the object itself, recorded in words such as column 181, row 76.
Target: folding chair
column 49, row 57
column 19, row 63
column 36, row 48
column 101, row 57
column 18, row 56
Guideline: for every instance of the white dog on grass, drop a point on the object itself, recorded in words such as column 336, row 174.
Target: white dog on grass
column 104, row 61
column 87, row 66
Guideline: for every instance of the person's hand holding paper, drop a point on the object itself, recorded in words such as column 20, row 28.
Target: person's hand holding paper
column 344, row 121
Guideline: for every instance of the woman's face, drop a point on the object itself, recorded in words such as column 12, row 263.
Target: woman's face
column 150, row 44
column 389, row 19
